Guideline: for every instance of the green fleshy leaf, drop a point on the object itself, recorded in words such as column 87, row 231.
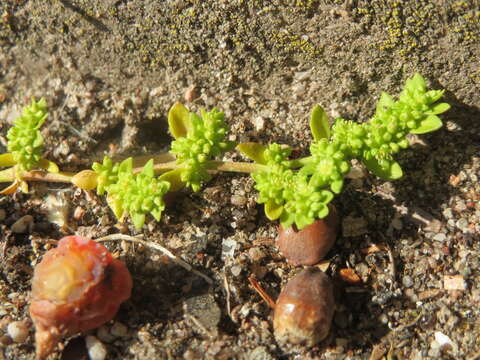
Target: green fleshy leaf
column 440, row 108
column 434, row 95
column 253, row 151
column 308, row 169
column 391, row 172
column 337, row 186
column 179, row 122
column 38, row 141
column 174, row 177
column 148, row 169
column 319, row 124
column 273, row 210
column 385, row 101
column 417, row 82
column 138, row 220
column 302, row 220
column 24, row 187
column 156, row 213
column 116, row 206
column 7, row 159
column 323, row 213
column 429, row 124
column 48, row 165
column 287, row 219
column 327, row 196
column 126, row 166
column 317, row 179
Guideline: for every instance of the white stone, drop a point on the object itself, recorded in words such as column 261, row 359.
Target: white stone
column 96, row 350
column 17, row 331
column 229, row 246
column 444, row 341
column 104, row 335
column 119, row 330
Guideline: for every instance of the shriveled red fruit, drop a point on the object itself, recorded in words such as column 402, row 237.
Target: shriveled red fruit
column 309, row 245
column 76, row 287
column 304, row 310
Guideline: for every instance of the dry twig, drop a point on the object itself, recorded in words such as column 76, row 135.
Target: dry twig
column 165, row 251
column 261, row 291
column 227, row 289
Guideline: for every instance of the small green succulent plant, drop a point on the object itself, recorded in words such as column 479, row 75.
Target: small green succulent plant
column 294, row 191
column 25, row 146
column 198, row 140
column 303, row 196
column 25, row 142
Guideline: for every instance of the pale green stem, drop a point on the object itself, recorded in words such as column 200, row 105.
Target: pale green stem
column 238, row 167
column 39, row 175
column 8, row 175
column 139, row 161
column 228, row 166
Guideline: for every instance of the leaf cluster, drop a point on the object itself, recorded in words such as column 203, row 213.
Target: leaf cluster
column 198, row 140
column 25, row 142
column 302, row 196
column 134, row 194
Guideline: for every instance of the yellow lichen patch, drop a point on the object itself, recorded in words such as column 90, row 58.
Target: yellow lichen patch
column 295, row 42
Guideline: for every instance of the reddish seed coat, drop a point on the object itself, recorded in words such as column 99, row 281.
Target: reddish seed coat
column 304, row 310
column 309, row 245
column 76, row 287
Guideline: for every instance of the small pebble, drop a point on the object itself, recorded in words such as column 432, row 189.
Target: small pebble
column 448, row 213
column 238, row 200
column 356, row 172
column 2, row 214
column 119, row 330
column 96, row 350
column 454, row 282
column 259, row 123
column 236, row 270
column 78, row 213
column 191, row 94
column 228, row 247
column 104, row 334
column 256, row 254
column 23, row 225
column 407, row 281
column 440, row 237
column 462, row 224
column 18, row 331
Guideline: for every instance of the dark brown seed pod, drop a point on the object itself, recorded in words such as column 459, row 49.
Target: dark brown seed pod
column 304, row 310
column 309, row 245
